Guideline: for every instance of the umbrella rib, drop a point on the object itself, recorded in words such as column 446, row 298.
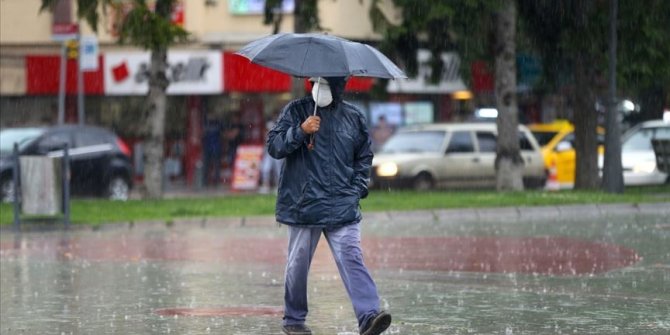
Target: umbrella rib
column 304, row 58
column 344, row 53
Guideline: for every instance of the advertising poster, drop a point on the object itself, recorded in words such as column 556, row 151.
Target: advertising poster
column 392, row 111
column 418, row 112
column 247, row 172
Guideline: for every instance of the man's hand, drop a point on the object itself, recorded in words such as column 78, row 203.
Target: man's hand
column 311, row 125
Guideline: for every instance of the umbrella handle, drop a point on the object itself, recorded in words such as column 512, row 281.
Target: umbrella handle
column 310, row 145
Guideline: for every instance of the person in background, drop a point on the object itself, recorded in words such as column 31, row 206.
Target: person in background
column 234, row 134
column 212, row 151
column 381, row 133
column 270, row 167
column 322, row 183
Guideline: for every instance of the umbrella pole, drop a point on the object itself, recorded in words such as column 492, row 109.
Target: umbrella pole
column 318, row 88
column 310, row 146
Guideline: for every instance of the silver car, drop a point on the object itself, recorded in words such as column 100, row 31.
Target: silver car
column 450, row 155
column 637, row 154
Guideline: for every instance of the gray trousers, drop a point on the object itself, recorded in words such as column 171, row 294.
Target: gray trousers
column 345, row 245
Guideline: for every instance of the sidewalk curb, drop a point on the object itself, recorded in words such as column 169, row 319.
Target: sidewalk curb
column 489, row 214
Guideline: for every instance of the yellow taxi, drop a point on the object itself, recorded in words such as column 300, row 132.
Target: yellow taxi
column 557, row 140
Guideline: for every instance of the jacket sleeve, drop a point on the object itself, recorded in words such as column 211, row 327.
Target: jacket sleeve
column 362, row 159
column 286, row 136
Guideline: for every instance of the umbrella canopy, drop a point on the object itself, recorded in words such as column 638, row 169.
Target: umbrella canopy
column 319, row 55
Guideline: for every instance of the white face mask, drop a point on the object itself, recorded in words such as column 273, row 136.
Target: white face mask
column 325, row 97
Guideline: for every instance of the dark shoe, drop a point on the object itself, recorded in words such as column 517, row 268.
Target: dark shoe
column 296, row 330
column 378, row 324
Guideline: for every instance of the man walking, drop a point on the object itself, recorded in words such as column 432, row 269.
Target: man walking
column 327, row 160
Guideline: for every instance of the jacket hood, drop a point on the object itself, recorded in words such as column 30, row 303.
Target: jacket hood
column 337, row 85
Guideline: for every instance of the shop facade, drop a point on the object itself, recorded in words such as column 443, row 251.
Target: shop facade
column 205, row 85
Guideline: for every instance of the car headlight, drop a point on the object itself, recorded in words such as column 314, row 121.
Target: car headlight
column 388, row 169
column 644, row 167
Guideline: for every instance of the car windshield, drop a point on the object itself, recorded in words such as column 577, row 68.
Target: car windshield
column 641, row 140
column 544, row 137
column 414, row 141
column 22, row 136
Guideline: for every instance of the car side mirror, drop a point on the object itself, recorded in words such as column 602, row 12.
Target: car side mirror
column 563, row 146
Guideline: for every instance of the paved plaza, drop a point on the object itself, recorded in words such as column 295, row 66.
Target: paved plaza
column 549, row 270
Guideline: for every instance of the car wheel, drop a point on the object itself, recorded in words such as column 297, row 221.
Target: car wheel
column 7, row 190
column 423, row 182
column 118, row 189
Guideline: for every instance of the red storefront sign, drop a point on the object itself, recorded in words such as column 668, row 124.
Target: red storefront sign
column 482, row 78
column 240, row 75
column 359, row 84
column 43, row 75
column 354, row 84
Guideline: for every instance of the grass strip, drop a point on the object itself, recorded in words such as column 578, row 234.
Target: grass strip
column 97, row 211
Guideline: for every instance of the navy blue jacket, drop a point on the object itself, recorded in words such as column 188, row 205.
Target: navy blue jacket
column 321, row 187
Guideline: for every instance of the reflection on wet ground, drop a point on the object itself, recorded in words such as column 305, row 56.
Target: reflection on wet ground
column 598, row 276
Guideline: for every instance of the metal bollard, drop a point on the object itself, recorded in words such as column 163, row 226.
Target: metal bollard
column 17, row 187
column 66, row 185
column 199, row 175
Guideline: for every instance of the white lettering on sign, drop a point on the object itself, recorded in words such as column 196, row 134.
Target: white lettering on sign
column 194, row 70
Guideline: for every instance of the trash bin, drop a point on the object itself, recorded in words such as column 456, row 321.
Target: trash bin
column 41, row 185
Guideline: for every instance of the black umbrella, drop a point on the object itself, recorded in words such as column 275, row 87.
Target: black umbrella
column 319, row 55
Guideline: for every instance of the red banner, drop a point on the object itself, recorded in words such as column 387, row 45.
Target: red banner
column 482, row 78
column 43, row 76
column 240, row 75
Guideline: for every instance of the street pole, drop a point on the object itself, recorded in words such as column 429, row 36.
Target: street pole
column 61, row 83
column 80, row 86
column 612, row 169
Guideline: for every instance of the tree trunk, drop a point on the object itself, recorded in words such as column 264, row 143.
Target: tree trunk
column 155, row 132
column 612, row 169
column 509, row 164
column 586, row 121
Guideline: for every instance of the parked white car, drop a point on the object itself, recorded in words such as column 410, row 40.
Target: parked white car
column 459, row 155
column 637, row 155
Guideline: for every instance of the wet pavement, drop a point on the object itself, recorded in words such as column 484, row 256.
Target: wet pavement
column 567, row 270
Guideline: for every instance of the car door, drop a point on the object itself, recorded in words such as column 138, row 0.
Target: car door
column 460, row 159
column 91, row 158
column 486, row 150
column 532, row 157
